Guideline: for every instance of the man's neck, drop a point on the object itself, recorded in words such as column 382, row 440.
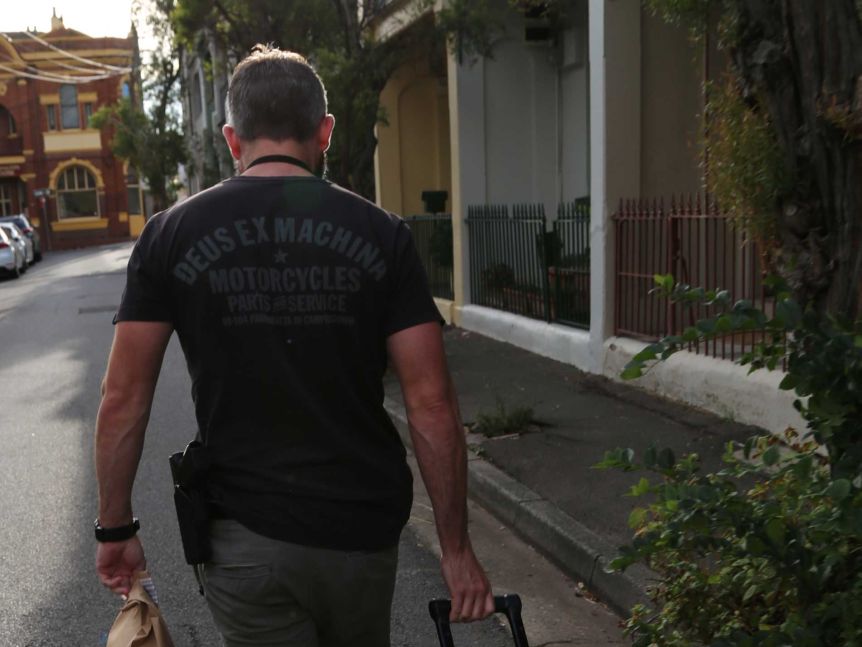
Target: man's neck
column 262, row 148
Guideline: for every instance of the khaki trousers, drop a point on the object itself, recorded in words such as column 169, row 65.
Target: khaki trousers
column 271, row 593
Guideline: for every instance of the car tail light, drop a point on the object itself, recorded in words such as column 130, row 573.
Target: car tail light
column 27, row 230
column 3, row 245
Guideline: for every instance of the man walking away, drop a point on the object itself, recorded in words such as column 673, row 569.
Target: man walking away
column 289, row 295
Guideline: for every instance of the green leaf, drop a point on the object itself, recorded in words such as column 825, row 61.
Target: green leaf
column 775, row 531
column 647, row 354
column 616, row 459
column 640, row 488
column 631, row 373
column 706, row 326
column 839, row 489
column 666, row 459
column 690, row 334
column 771, row 456
column 788, row 383
column 749, row 447
column 750, row 592
column 857, row 341
column 636, row 518
column 650, row 457
column 664, row 282
column 753, row 545
column 788, row 312
column 619, row 564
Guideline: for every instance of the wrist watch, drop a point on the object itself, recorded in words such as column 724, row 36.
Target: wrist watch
column 119, row 533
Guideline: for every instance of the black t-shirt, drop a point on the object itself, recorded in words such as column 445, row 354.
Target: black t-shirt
column 283, row 291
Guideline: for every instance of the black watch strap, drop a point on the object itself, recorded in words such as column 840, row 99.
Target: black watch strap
column 120, row 533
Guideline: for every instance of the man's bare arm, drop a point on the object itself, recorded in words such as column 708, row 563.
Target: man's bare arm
column 127, row 396
column 438, row 441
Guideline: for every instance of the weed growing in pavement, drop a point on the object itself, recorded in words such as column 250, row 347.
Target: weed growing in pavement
column 504, row 421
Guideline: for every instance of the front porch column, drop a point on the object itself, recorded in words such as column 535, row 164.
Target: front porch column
column 467, row 128
column 615, row 155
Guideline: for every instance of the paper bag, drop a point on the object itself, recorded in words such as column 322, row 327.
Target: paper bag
column 139, row 623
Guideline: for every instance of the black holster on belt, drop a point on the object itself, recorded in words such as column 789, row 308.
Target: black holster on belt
column 188, row 470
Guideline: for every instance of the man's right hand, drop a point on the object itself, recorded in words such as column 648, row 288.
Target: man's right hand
column 469, row 588
column 419, row 359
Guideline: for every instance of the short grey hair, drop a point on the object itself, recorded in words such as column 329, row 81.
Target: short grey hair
column 275, row 94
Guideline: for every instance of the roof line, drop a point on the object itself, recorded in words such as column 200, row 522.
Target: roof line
column 73, row 56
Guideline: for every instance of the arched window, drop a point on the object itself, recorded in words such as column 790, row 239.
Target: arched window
column 76, row 193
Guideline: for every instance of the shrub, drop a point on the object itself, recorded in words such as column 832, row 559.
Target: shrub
column 767, row 551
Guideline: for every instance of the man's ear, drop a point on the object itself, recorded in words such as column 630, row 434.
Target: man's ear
column 324, row 132
column 232, row 140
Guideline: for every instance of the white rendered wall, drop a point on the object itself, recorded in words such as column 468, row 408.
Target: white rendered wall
column 717, row 385
column 574, row 102
column 531, row 103
column 520, row 119
column 562, row 343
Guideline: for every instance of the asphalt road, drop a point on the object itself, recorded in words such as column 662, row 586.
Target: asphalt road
column 55, row 334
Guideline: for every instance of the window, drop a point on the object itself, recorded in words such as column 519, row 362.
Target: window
column 69, row 107
column 7, row 123
column 88, row 112
column 51, row 111
column 127, row 90
column 133, row 189
column 197, row 101
column 5, row 200
column 76, row 193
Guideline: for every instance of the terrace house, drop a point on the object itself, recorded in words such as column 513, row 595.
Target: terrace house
column 573, row 170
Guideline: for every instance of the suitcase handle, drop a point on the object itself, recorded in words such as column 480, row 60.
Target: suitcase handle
column 508, row 604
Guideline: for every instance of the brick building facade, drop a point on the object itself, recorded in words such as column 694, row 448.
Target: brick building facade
column 50, row 84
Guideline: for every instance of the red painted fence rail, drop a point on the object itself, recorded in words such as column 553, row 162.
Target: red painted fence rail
column 700, row 246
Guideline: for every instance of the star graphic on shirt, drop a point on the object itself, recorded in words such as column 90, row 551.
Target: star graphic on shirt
column 281, row 256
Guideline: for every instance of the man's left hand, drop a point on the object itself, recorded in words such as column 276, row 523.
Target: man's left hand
column 117, row 561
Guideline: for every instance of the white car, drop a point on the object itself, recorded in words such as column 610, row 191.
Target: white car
column 21, row 239
column 12, row 260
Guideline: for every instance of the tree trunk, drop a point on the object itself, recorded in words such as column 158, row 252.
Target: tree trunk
column 802, row 60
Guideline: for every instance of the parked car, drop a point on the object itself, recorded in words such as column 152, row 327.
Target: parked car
column 11, row 258
column 29, row 230
column 21, row 240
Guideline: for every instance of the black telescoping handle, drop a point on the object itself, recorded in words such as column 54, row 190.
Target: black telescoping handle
column 509, row 604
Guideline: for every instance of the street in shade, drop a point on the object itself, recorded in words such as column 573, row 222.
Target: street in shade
column 55, row 333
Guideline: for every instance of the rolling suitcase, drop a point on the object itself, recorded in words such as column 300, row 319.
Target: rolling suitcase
column 508, row 604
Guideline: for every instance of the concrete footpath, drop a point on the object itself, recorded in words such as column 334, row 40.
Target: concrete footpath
column 541, row 482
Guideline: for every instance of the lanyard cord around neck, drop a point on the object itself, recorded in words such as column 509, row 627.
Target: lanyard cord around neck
column 285, row 159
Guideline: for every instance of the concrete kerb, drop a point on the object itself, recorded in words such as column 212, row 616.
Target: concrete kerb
column 573, row 547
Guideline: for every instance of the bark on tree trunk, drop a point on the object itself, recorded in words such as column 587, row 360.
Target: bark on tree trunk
column 802, row 59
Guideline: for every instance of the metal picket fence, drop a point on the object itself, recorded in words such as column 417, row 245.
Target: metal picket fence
column 432, row 234
column 696, row 243
column 569, row 273
column 518, row 265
